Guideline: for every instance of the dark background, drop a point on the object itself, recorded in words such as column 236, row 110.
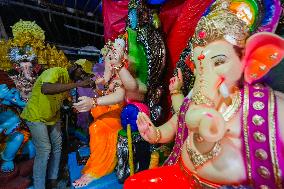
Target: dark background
column 71, row 25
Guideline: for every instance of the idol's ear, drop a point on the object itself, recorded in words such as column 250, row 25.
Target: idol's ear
column 263, row 51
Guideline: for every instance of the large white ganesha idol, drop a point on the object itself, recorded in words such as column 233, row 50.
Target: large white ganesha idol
column 229, row 129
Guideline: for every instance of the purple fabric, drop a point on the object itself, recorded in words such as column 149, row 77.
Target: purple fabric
column 274, row 10
column 243, row 134
column 181, row 134
column 253, row 144
column 267, row 145
column 279, row 143
column 85, row 92
column 99, row 69
column 84, row 119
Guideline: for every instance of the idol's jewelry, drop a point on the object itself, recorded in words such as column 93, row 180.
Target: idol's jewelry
column 198, row 98
column 95, row 102
column 234, row 107
column 124, row 61
column 199, row 159
column 118, row 68
column 158, row 133
column 221, row 24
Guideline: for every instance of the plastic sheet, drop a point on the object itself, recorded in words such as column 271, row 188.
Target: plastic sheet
column 179, row 19
column 115, row 17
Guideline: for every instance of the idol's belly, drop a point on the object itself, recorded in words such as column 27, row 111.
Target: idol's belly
column 226, row 168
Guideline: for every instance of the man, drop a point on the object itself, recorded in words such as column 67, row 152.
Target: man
column 42, row 115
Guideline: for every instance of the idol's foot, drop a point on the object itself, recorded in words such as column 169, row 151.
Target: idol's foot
column 83, row 181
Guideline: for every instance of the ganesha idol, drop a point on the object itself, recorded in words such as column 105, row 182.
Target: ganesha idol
column 13, row 135
column 229, row 129
column 25, row 69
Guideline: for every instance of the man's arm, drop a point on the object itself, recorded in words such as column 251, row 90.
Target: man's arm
column 55, row 88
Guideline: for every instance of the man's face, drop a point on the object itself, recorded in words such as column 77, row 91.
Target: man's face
column 77, row 73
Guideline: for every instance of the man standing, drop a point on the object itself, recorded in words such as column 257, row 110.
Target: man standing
column 42, row 115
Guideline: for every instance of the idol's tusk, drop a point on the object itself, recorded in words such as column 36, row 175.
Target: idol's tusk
column 224, row 91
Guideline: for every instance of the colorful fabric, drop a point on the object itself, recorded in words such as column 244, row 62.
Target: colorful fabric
column 272, row 11
column 169, row 14
column 179, row 19
column 262, row 146
column 115, row 16
column 46, row 108
column 159, row 178
column 142, row 107
column 181, row 135
column 174, row 176
column 183, row 29
column 137, row 56
column 103, row 140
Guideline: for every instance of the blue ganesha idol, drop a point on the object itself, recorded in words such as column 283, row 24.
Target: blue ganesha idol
column 11, row 130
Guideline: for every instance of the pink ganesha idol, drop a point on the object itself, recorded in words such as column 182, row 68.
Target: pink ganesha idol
column 229, row 130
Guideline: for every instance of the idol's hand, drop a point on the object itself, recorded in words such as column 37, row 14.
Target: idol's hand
column 176, row 82
column 100, row 81
column 146, row 128
column 84, row 104
column 118, row 55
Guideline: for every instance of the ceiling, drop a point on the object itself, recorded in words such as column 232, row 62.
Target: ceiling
column 69, row 24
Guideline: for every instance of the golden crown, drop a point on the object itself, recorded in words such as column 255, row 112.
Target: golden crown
column 27, row 27
column 29, row 33
column 221, row 23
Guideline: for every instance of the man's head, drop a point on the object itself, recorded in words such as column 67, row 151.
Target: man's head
column 80, row 70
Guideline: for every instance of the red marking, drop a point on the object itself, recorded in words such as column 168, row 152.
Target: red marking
column 189, row 63
column 209, row 115
column 202, row 34
column 222, row 79
column 201, row 57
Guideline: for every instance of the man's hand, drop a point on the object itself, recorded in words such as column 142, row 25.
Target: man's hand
column 87, row 83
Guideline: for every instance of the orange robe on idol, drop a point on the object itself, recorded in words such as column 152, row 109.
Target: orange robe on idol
column 103, row 140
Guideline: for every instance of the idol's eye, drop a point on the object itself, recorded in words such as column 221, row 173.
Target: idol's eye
column 219, row 59
column 109, row 57
column 219, row 62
